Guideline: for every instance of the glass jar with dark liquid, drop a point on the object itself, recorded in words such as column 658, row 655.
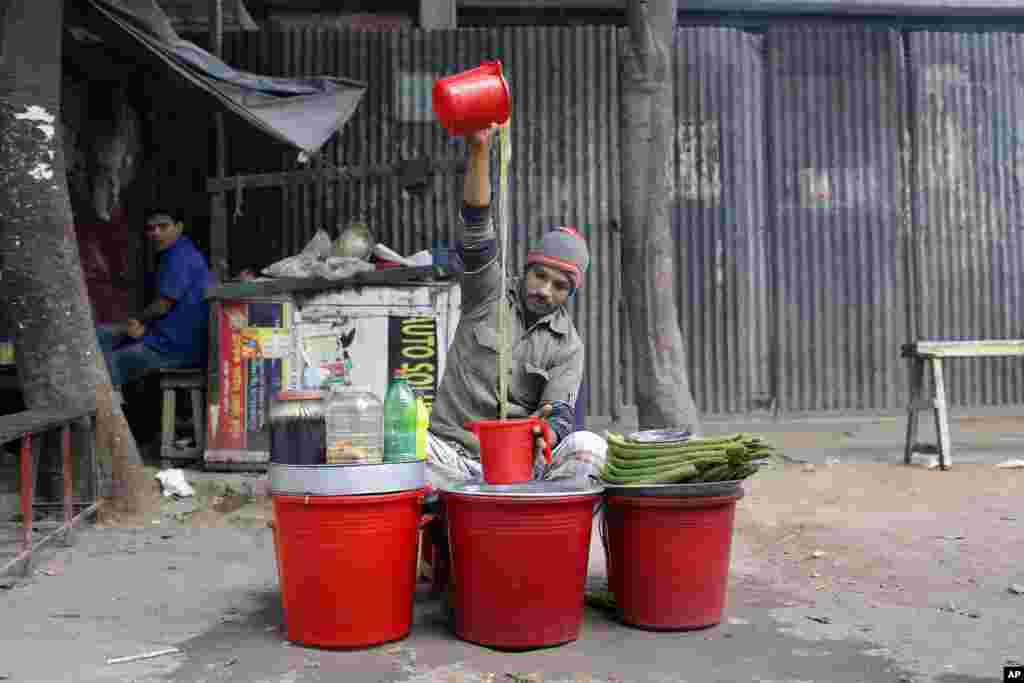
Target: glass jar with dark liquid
column 297, row 429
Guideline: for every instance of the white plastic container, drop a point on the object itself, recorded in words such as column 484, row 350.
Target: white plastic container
column 355, row 426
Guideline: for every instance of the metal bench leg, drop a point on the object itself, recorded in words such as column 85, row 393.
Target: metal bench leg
column 69, row 512
column 96, row 478
column 168, row 424
column 941, row 415
column 27, row 489
column 198, row 422
column 916, row 389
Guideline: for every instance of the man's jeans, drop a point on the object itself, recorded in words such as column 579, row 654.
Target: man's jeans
column 128, row 358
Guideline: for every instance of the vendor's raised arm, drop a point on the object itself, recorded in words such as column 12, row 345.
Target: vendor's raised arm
column 478, row 243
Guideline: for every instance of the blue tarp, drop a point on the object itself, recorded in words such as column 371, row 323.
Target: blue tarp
column 303, row 112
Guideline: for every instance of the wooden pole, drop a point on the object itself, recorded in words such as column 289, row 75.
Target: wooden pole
column 218, row 200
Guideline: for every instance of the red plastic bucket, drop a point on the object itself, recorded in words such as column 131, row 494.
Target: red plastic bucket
column 347, row 567
column 473, row 100
column 506, row 448
column 668, row 559
column 518, row 567
column 277, row 551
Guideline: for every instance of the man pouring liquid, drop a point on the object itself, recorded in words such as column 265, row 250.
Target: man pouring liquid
column 546, row 357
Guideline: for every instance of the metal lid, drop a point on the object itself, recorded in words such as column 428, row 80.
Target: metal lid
column 347, row 480
column 731, row 487
column 300, row 395
column 530, row 489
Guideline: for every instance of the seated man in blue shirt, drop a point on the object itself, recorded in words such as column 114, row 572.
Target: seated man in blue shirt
column 172, row 331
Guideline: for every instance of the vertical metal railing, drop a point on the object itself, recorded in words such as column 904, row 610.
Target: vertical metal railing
column 27, row 427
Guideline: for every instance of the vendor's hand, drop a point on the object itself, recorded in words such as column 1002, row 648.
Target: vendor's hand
column 539, row 436
column 134, row 329
column 481, row 139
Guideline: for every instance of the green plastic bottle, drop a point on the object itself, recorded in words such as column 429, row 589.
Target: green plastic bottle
column 399, row 421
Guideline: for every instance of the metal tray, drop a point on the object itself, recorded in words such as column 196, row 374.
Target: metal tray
column 660, row 436
column 711, row 488
column 347, row 480
column 530, row 489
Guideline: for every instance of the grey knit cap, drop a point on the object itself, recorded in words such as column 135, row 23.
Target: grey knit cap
column 565, row 249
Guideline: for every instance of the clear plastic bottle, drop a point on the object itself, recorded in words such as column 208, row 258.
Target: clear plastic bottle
column 399, row 421
column 355, row 426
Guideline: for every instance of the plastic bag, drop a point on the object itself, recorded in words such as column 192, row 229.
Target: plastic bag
column 319, row 247
column 341, row 267
column 315, row 260
column 302, row 265
column 175, row 484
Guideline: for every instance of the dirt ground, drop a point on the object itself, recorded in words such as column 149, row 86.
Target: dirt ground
column 894, row 533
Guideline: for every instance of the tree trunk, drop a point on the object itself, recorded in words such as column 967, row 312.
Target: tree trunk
column 41, row 282
column 663, row 395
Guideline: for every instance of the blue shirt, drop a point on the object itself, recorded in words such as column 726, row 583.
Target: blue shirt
column 182, row 275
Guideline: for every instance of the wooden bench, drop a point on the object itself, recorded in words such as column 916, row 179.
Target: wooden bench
column 933, row 353
column 24, row 426
column 171, row 382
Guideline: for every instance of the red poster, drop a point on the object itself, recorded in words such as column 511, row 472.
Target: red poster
column 229, row 432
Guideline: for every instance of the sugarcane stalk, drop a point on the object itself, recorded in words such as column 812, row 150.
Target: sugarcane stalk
column 640, row 463
column 653, row 471
column 619, row 440
column 676, row 475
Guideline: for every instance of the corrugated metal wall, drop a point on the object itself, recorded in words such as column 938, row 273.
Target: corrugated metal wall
column 836, row 110
column 809, row 250
column 719, row 216
column 968, row 204
column 565, row 164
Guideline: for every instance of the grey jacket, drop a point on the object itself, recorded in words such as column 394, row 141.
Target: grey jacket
column 546, row 364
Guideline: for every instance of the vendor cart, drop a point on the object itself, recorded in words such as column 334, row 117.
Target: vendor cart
column 274, row 335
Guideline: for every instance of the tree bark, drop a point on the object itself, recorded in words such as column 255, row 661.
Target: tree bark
column 663, row 395
column 41, row 281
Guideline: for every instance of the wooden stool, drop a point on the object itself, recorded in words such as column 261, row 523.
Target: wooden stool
column 171, row 382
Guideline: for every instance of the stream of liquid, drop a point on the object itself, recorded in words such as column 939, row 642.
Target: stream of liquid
column 504, row 159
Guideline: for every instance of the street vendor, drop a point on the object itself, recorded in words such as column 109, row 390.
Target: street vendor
column 171, row 332
column 546, row 354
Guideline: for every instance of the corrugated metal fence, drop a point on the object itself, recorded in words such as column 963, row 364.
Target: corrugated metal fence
column 839, row 190
column 719, row 216
column 968, row 205
column 835, row 115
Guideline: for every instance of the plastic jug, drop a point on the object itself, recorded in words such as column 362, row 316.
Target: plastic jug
column 354, row 421
column 473, row 100
column 506, row 448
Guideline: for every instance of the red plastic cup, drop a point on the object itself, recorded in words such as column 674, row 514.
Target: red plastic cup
column 473, row 100
column 506, row 448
